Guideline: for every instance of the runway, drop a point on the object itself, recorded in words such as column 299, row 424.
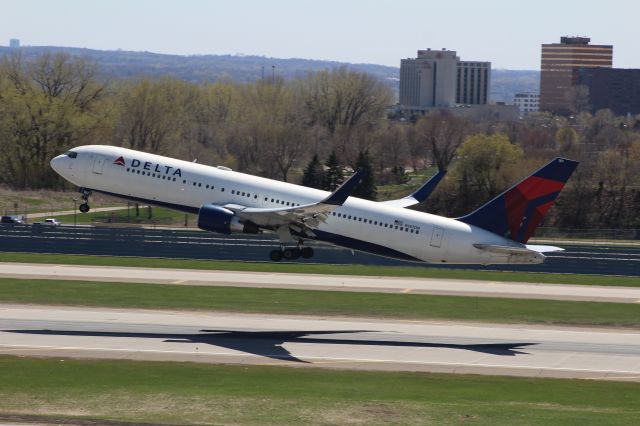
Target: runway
column 324, row 282
column 535, row 351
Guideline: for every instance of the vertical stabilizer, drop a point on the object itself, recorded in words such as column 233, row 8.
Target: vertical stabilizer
column 517, row 212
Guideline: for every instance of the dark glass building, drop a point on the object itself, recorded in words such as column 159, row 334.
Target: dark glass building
column 616, row 89
column 559, row 70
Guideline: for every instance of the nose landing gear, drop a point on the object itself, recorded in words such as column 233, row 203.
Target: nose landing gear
column 84, row 207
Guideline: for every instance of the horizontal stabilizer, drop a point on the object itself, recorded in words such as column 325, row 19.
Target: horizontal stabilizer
column 503, row 249
column 543, row 249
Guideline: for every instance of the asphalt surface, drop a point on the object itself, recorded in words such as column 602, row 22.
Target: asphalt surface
column 323, row 282
column 535, row 351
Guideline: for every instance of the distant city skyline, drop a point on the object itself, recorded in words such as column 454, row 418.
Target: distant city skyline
column 506, row 33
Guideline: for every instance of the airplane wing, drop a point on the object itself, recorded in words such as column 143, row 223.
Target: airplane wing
column 421, row 194
column 304, row 216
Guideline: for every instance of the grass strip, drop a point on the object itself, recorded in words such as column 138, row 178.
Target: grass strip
column 185, row 393
column 364, row 270
column 160, row 216
column 313, row 302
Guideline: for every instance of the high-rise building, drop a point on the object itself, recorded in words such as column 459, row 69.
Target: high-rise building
column 473, row 82
column 559, row 70
column 527, row 102
column 438, row 79
column 14, row 43
column 616, row 89
column 430, row 79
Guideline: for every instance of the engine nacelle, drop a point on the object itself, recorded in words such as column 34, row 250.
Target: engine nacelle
column 224, row 221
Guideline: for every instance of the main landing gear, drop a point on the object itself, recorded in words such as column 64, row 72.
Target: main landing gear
column 84, row 207
column 291, row 253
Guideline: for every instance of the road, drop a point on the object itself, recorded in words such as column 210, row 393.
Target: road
column 324, row 282
column 536, row 351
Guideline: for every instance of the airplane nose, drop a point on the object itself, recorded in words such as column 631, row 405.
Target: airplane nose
column 57, row 163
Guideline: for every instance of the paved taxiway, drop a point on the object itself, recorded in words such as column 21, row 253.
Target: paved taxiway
column 324, row 282
column 537, row 351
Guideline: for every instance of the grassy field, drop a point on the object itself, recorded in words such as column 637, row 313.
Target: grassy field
column 184, row 393
column 159, row 216
column 310, row 302
column 42, row 201
column 368, row 270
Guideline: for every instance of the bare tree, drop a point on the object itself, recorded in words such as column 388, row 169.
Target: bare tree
column 344, row 99
column 152, row 114
column 46, row 106
column 579, row 99
column 441, row 133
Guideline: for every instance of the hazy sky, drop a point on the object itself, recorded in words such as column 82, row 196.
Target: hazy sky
column 506, row 32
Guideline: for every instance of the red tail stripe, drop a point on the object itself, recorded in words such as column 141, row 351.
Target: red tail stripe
column 536, row 187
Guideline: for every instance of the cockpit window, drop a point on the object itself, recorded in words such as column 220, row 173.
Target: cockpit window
column 71, row 154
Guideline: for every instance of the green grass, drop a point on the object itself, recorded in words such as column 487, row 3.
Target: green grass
column 184, row 393
column 159, row 216
column 386, row 271
column 313, row 302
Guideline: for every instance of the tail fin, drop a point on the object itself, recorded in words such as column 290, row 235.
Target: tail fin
column 517, row 212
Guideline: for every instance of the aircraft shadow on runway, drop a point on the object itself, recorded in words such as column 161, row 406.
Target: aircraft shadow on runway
column 269, row 343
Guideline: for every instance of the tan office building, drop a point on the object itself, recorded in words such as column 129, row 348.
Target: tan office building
column 430, row 79
column 559, row 70
column 439, row 79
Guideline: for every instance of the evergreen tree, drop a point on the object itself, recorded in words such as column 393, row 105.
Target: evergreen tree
column 398, row 175
column 313, row 176
column 367, row 187
column 333, row 177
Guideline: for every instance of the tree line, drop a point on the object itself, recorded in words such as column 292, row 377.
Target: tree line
column 312, row 129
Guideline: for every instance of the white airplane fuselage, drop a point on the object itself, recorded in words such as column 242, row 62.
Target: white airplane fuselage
column 358, row 224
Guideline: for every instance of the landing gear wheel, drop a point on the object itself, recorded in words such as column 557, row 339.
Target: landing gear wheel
column 276, row 255
column 84, row 207
column 306, row 252
column 291, row 253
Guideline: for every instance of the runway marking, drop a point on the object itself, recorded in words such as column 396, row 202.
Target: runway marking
column 614, row 378
column 407, row 290
column 179, row 282
column 633, row 374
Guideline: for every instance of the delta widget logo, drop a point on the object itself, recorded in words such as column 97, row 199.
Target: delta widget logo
column 119, row 161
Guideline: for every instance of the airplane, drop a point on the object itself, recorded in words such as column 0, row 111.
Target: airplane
column 229, row 202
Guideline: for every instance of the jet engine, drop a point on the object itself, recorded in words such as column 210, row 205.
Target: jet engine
column 224, row 221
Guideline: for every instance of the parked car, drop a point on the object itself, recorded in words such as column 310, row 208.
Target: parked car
column 48, row 222
column 11, row 219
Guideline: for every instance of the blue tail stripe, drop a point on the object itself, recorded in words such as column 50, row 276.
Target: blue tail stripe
column 559, row 169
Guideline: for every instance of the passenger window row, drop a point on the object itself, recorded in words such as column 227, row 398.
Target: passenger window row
column 376, row 223
column 283, row 202
column 199, row 185
column 151, row 174
column 233, row 191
